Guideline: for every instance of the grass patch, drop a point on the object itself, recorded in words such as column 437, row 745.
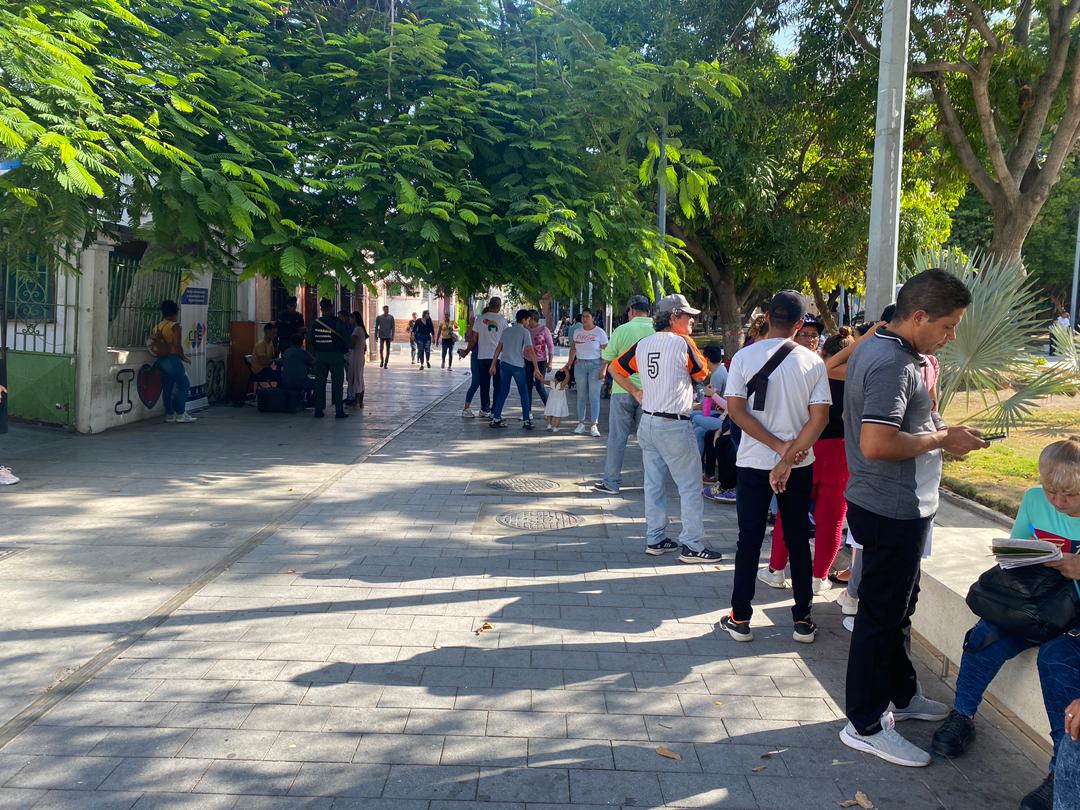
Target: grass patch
column 999, row 476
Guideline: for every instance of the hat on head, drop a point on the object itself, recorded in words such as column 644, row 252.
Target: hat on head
column 787, row 306
column 675, row 303
column 639, row 303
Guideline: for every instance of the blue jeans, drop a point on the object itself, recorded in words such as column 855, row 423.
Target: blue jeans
column 1059, row 674
column 1067, row 776
column 986, row 649
column 481, row 381
column 586, row 378
column 423, row 350
column 624, row 415
column 668, row 448
column 174, row 384
column 702, row 425
column 507, row 373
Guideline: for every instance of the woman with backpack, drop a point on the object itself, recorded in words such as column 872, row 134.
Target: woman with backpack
column 166, row 345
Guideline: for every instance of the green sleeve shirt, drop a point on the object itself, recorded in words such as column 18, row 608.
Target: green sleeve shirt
column 620, row 342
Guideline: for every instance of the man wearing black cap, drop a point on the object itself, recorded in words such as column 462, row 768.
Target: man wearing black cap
column 778, row 394
column 624, row 412
column 330, row 339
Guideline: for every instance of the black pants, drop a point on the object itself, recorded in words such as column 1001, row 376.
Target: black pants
column 879, row 660
column 720, row 455
column 489, row 383
column 535, row 384
column 384, row 351
column 448, row 353
column 332, row 365
column 753, row 496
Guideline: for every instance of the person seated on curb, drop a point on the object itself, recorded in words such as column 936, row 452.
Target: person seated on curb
column 1050, row 511
column 263, row 363
column 296, row 364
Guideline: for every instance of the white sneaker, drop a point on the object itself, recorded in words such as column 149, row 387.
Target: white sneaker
column 170, row 418
column 550, row 428
column 774, row 579
column 581, row 429
column 184, row 418
column 554, row 430
column 849, row 623
column 7, row 477
column 849, row 604
column 820, row 585
column 467, row 413
column 920, row 708
column 594, row 431
column 484, row 414
column 887, row 744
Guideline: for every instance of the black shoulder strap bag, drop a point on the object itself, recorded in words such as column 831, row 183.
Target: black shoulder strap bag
column 758, row 386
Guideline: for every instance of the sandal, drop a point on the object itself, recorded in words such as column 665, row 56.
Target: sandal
column 840, row 577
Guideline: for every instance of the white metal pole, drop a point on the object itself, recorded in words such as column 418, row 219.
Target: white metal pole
column 1076, row 273
column 888, row 157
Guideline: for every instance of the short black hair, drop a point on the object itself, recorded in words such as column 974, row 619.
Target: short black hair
column 934, row 292
column 269, row 325
column 586, row 309
column 326, row 304
column 560, row 375
column 522, row 315
column 713, row 353
column 662, row 320
column 290, row 301
column 298, row 339
column 814, row 323
column 888, row 313
column 169, row 308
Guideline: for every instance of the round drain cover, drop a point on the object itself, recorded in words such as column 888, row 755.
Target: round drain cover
column 524, row 483
column 540, row 520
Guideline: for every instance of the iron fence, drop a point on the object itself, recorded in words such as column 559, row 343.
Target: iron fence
column 41, row 305
column 135, row 298
column 223, row 307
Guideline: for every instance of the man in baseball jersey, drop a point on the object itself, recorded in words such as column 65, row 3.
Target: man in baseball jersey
column 669, row 363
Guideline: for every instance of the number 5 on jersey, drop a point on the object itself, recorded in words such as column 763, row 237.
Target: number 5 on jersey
column 652, row 365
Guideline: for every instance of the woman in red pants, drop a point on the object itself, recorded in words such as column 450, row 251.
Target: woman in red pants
column 830, row 478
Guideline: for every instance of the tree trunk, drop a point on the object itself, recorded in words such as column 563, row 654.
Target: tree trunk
column 1011, row 227
column 822, row 305
column 722, row 283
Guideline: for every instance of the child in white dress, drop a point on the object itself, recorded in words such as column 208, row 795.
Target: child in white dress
column 556, row 407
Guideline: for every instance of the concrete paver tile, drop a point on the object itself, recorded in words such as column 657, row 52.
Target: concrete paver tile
column 514, row 678
column 719, row 705
column 287, row 718
column 557, row 700
column 442, row 721
column 685, row 729
column 100, row 689
column 142, row 742
column 314, row 672
column 493, row 699
column 474, row 677
column 526, row 724
column 54, row 740
column 741, row 758
column 797, row 793
column 367, row 721
column 282, row 803
column 417, row 697
column 503, row 752
column 193, row 691
column 244, row 670
column 431, row 782
column 335, row 779
column 643, row 756
column 615, row 788
column 257, row 691
column 66, row 773
column 572, row 753
column 212, row 743
column 642, row 703
column 156, row 775
column 408, row 749
column 207, row 715
column 803, row 709
column 19, row 798
column 606, row 727
column 343, row 694
column 523, row 785
column 95, row 713
column 184, row 801
column 242, row 776
column 86, row 800
column 707, row 791
column 307, row 746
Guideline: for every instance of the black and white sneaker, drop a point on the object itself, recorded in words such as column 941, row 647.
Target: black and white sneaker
column 665, row 546
column 740, row 631
column 600, row 486
column 706, row 555
column 805, row 631
column 498, row 423
column 527, row 425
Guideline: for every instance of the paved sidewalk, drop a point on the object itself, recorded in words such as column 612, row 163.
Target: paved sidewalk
column 404, row 637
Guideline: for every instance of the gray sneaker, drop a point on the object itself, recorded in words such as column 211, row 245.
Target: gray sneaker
column 920, row 708
column 886, row 744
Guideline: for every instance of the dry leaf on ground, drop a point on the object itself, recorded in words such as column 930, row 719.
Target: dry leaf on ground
column 667, row 752
column 759, row 768
column 860, row 800
column 771, row 754
column 483, row 627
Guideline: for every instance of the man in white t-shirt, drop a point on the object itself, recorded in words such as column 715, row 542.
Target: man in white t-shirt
column 483, row 338
column 778, row 394
column 668, row 363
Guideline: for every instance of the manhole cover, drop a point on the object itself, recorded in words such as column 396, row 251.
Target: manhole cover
column 524, row 483
column 543, row 520
column 8, row 551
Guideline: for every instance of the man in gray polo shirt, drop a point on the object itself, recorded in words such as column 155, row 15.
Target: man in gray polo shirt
column 894, row 451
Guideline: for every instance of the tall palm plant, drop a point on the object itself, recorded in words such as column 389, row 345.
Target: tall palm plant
column 992, row 350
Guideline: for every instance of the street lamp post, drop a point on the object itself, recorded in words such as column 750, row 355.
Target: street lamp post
column 888, row 157
column 5, row 167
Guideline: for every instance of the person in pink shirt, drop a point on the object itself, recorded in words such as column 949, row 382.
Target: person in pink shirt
column 544, row 346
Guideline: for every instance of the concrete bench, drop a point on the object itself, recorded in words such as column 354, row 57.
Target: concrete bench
column 960, row 554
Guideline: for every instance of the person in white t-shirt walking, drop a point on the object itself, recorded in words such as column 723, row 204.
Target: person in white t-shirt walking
column 668, row 363
column 483, row 338
column 589, row 369
column 778, row 394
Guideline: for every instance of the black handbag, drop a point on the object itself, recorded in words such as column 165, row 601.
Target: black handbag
column 1034, row 602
